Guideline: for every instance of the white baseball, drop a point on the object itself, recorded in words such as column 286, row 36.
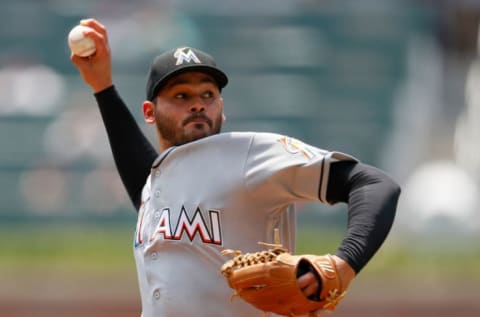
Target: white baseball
column 80, row 44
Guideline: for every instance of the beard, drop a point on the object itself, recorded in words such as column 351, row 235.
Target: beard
column 170, row 131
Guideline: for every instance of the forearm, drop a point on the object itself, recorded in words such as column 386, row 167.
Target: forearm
column 372, row 199
column 132, row 152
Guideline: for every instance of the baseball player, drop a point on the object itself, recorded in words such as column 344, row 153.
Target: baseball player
column 207, row 191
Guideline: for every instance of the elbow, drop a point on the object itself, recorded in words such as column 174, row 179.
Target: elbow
column 393, row 188
column 384, row 185
column 392, row 191
column 370, row 175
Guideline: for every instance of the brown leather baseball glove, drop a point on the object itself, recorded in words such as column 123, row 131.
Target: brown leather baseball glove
column 268, row 281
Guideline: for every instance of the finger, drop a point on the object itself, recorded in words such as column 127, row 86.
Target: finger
column 94, row 24
column 100, row 42
column 308, row 284
column 78, row 60
column 97, row 26
column 305, row 279
column 310, row 290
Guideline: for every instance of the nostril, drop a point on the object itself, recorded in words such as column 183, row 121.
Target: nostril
column 197, row 108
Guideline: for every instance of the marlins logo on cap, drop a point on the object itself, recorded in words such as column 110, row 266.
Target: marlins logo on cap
column 187, row 56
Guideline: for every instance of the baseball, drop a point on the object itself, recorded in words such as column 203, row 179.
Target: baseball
column 80, row 44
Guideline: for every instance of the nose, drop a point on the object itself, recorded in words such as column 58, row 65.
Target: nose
column 197, row 106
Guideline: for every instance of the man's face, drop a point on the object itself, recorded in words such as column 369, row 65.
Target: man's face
column 188, row 107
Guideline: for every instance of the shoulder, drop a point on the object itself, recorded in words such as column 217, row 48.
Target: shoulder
column 235, row 135
column 263, row 141
column 238, row 138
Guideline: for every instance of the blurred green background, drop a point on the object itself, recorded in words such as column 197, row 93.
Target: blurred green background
column 394, row 83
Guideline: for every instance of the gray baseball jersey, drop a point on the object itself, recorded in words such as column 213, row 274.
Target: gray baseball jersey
column 227, row 191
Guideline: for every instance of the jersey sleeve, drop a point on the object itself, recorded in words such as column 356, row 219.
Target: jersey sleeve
column 289, row 168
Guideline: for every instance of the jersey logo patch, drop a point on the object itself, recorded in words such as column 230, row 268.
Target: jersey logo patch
column 187, row 56
column 295, row 146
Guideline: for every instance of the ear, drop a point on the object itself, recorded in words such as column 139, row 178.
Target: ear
column 224, row 118
column 148, row 108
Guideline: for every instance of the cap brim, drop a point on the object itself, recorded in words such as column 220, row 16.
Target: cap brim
column 219, row 76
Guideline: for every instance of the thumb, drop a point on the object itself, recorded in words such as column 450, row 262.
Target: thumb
column 78, row 61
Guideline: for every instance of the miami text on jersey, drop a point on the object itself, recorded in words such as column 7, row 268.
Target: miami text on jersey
column 196, row 225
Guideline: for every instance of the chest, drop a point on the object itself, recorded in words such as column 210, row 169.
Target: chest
column 187, row 197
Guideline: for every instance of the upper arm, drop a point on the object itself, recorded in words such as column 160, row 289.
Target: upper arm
column 347, row 176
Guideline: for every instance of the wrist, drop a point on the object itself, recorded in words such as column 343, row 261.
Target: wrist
column 345, row 272
column 101, row 86
column 105, row 93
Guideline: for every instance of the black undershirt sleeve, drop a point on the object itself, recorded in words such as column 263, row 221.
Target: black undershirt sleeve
column 132, row 152
column 372, row 198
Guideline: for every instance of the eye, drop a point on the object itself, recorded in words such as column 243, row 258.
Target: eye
column 180, row 96
column 208, row 94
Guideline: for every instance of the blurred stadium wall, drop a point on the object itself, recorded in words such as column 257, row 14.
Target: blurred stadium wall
column 383, row 80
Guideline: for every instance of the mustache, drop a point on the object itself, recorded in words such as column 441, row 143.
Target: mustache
column 196, row 116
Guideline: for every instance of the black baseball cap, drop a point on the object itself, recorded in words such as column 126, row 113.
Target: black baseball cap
column 179, row 60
